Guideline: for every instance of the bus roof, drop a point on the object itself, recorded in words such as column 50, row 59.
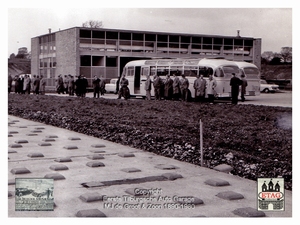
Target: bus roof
column 245, row 64
column 178, row 62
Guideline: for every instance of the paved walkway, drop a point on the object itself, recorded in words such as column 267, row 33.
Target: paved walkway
column 94, row 177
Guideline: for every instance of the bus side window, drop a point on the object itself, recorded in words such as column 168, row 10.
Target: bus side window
column 145, row 71
column 219, row 72
column 152, row 70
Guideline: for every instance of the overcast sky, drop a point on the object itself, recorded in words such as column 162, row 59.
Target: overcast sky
column 273, row 25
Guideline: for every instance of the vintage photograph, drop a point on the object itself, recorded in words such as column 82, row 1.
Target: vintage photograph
column 150, row 112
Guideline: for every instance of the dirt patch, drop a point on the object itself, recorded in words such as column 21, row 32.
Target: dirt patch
column 254, row 140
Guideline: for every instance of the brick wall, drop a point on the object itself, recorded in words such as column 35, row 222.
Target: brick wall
column 35, row 55
column 67, row 57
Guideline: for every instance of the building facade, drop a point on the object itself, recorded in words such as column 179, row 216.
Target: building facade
column 104, row 52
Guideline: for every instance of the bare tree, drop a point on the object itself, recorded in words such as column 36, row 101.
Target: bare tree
column 93, row 24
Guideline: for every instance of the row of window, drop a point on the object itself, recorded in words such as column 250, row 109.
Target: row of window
column 111, row 35
column 193, row 71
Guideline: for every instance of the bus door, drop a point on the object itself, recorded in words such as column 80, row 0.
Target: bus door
column 137, row 80
column 145, row 71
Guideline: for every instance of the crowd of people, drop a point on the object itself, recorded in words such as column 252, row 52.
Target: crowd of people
column 178, row 88
column 79, row 85
column 168, row 88
column 25, row 84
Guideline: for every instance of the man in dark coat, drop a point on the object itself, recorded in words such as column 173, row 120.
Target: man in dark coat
column 235, row 82
column 96, row 86
column 168, row 88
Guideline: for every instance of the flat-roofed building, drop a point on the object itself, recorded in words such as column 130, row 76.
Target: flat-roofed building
column 104, row 52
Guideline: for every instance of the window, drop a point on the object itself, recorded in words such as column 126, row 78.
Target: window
column 145, row 71
column 228, row 70
column 85, row 34
column 190, row 71
column 130, row 71
column 85, row 60
column 185, row 39
column 205, row 71
column 173, row 38
column 98, row 34
column 219, row 72
column 162, row 38
column 162, row 70
column 176, row 69
column 111, row 35
column 138, row 36
column 251, row 72
column 150, row 37
column 125, row 36
column 152, row 70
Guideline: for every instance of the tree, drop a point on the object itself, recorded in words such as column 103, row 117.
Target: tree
column 267, row 56
column 93, row 24
column 286, row 54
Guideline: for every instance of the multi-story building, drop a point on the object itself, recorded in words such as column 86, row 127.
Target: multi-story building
column 104, row 52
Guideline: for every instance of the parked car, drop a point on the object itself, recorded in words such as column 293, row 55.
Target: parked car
column 23, row 191
column 111, row 86
column 265, row 87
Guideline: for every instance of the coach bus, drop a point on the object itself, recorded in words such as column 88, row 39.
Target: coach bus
column 252, row 75
column 136, row 72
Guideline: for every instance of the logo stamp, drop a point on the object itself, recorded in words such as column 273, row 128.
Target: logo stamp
column 34, row 194
column 270, row 194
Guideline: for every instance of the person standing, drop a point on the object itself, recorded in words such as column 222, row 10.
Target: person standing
column 32, row 83
column 10, row 80
column 243, row 87
column 195, row 86
column 37, row 85
column 184, row 86
column 176, row 87
column 42, row 85
column 60, row 85
column 235, row 82
column 200, row 86
column 96, row 86
column 168, row 88
column 71, row 85
column 27, row 84
column 157, row 85
column 148, row 88
column 21, row 84
column 16, row 79
column 102, row 86
column 84, row 86
column 211, row 85
column 66, row 83
column 123, row 90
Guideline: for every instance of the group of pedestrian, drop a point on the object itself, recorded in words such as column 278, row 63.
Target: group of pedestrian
column 169, row 89
column 25, row 84
column 178, row 88
column 72, row 85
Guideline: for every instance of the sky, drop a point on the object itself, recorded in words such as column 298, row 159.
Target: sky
column 272, row 25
